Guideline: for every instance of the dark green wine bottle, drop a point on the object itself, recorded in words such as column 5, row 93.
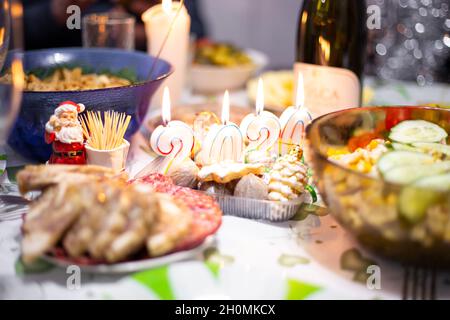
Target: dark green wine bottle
column 331, row 46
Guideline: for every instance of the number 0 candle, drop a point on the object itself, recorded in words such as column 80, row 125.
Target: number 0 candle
column 173, row 139
column 261, row 129
column 294, row 121
column 223, row 142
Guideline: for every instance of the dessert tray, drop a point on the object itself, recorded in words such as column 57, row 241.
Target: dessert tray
column 274, row 211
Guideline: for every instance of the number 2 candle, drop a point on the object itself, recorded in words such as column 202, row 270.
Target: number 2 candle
column 173, row 139
column 261, row 129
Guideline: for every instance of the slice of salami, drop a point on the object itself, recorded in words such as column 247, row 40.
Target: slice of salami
column 206, row 212
column 159, row 182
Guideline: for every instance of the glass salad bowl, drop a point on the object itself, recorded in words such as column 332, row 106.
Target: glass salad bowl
column 402, row 216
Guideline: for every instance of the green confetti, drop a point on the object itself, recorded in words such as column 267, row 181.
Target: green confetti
column 353, row 260
column 107, row 296
column 312, row 192
column 402, row 91
column 157, row 280
column 39, row 266
column 12, row 172
column 290, row 261
column 300, row 290
column 214, row 268
column 361, row 276
column 307, row 209
column 215, row 261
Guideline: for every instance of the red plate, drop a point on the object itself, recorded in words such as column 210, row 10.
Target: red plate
column 206, row 213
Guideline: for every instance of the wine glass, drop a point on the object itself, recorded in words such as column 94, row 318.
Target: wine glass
column 11, row 87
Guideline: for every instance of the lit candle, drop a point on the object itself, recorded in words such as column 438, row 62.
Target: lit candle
column 168, row 18
column 173, row 139
column 223, row 142
column 294, row 120
column 261, row 129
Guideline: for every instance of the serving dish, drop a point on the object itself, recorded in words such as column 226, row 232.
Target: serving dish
column 37, row 106
column 89, row 216
column 274, row 211
column 209, row 79
column 370, row 207
column 136, row 265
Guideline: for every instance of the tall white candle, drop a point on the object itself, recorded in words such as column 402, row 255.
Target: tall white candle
column 158, row 20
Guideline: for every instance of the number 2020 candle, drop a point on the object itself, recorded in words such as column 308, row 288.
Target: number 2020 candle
column 261, row 129
column 173, row 139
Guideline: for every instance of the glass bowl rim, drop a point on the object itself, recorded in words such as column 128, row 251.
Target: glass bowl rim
column 336, row 165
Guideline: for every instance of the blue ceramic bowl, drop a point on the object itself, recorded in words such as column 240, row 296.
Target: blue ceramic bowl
column 27, row 136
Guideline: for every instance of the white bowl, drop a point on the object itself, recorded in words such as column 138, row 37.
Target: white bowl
column 215, row 79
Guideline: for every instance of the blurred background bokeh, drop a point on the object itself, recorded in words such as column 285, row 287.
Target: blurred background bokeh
column 413, row 43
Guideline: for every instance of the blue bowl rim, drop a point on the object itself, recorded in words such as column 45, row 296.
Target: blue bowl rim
column 65, row 49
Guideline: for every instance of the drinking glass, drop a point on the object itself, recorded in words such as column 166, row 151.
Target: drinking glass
column 110, row 29
column 11, row 87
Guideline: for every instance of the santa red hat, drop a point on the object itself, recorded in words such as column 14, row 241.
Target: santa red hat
column 69, row 106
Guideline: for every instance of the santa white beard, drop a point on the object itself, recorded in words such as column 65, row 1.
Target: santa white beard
column 70, row 134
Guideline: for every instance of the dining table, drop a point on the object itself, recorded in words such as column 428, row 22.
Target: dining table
column 308, row 257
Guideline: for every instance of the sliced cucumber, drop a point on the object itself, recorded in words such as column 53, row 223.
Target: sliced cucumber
column 403, row 147
column 411, row 131
column 438, row 182
column 411, row 172
column 423, row 193
column 394, row 159
column 433, row 147
column 414, row 203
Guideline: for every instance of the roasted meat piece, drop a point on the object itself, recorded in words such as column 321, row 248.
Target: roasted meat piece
column 49, row 217
column 173, row 222
column 93, row 213
column 39, row 177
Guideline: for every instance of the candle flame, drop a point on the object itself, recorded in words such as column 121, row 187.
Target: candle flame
column 260, row 97
column 167, row 6
column 300, row 97
column 16, row 9
column 226, row 108
column 166, row 106
column 325, row 48
column 17, row 74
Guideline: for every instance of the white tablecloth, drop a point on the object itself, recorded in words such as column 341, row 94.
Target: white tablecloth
column 299, row 259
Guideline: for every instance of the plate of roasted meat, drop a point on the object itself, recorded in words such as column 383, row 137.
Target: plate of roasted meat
column 103, row 222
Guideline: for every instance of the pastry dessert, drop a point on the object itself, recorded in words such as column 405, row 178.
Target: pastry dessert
column 225, row 172
column 288, row 177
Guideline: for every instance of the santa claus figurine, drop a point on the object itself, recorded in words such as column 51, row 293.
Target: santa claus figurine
column 64, row 131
